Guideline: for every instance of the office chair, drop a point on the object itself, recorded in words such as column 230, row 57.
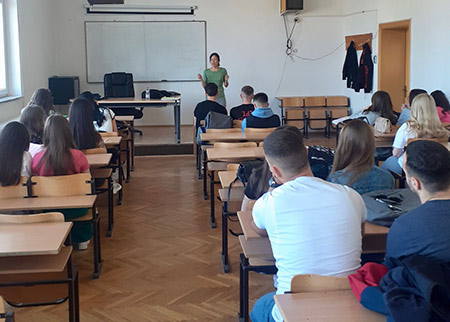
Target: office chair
column 121, row 85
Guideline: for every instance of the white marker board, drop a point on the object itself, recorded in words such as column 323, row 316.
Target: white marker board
column 151, row 51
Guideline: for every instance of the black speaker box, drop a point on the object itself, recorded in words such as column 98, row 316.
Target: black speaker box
column 64, row 88
column 294, row 5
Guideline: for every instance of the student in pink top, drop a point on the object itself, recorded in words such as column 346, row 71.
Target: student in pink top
column 59, row 158
column 442, row 106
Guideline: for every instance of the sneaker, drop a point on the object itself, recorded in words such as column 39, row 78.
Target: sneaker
column 82, row 246
column 116, row 187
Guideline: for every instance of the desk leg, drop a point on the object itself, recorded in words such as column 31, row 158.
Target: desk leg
column 120, row 169
column 97, row 251
column 243, row 289
column 205, row 173
column 226, row 267
column 127, row 180
column 211, row 187
column 176, row 110
column 110, row 208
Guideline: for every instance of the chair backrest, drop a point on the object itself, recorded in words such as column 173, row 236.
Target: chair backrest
column 258, row 130
column 32, row 219
column 118, row 85
column 232, row 166
column 437, row 140
column 226, row 145
column 316, row 283
column 233, row 129
column 17, row 191
column 237, row 124
column 62, row 186
column 315, row 101
column 95, row 151
column 292, row 102
column 107, row 134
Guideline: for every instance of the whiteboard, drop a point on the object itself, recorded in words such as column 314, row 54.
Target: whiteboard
column 151, row 50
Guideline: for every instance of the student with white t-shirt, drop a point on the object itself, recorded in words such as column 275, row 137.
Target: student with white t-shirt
column 424, row 123
column 314, row 226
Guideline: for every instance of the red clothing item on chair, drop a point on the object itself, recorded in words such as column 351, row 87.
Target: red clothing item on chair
column 368, row 275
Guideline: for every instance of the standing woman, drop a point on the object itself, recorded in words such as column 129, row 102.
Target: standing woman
column 424, row 123
column 217, row 75
column 15, row 160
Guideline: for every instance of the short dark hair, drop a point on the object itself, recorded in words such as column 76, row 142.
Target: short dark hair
column 414, row 92
column 285, row 148
column 247, row 90
column 211, row 89
column 261, row 98
column 429, row 162
column 215, row 54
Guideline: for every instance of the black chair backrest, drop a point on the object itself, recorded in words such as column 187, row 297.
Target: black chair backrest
column 118, row 85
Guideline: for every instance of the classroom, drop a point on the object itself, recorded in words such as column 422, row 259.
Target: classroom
column 156, row 211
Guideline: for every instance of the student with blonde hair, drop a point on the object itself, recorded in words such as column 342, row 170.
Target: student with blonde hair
column 353, row 164
column 424, row 123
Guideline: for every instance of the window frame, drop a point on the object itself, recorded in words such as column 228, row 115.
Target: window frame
column 6, row 91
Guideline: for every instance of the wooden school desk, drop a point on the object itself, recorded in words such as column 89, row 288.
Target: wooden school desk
column 50, row 203
column 112, row 141
column 211, row 137
column 129, row 122
column 126, row 102
column 98, row 160
column 225, row 155
column 385, row 140
column 41, row 252
column 337, row 306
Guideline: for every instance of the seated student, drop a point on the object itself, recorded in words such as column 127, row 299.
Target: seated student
column 33, row 117
column 59, row 158
column 262, row 116
column 43, row 97
column 405, row 114
column 307, row 233
column 246, row 108
column 354, row 160
column 424, row 230
column 104, row 118
column 15, row 160
column 82, row 125
column 208, row 105
column 381, row 106
column 424, row 123
column 442, row 106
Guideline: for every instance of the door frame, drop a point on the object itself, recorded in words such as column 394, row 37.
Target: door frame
column 396, row 25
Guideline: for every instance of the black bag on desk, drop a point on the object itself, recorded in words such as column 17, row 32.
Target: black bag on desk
column 384, row 206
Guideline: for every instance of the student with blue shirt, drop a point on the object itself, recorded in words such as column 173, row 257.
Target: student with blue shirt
column 354, row 160
column 425, row 230
column 262, row 116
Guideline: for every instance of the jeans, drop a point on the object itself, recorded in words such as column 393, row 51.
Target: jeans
column 391, row 164
column 262, row 310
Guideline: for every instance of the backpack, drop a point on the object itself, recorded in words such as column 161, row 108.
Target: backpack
column 382, row 125
column 246, row 168
column 214, row 120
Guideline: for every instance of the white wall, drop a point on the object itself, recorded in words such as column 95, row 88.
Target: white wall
column 36, row 29
column 430, row 47
column 250, row 37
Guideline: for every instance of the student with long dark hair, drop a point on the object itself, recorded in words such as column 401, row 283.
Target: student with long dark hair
column 60, row 158
column 15, row 160
column 82, row 125
column 104, row 118
column 43, row 97
column 381, row 107
column 33, row 117
column 442, row 106
column 354, row 160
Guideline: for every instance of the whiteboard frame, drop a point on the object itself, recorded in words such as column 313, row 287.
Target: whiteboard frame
column 136, row 21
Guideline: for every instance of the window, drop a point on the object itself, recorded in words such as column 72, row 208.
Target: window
column 10, row 76
column 3, row 87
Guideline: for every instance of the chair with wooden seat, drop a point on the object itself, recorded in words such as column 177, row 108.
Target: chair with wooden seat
column 67, row 186
column 303, row 283
column 17, row 191
column 316, row 113
column 237, row 124
column 259, row 130
column 103, row 183
column 293, row 113
column 337, row 107
column 39, row 279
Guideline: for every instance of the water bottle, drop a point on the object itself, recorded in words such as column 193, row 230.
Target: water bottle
column 147, row 94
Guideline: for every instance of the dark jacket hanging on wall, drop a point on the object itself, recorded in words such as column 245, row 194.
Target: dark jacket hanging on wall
column 365, row 70
column 350, row 70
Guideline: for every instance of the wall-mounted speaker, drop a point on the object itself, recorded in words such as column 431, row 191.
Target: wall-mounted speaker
column 291, row 5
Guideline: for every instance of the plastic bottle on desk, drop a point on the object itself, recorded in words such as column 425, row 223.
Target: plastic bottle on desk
column 147, row 93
